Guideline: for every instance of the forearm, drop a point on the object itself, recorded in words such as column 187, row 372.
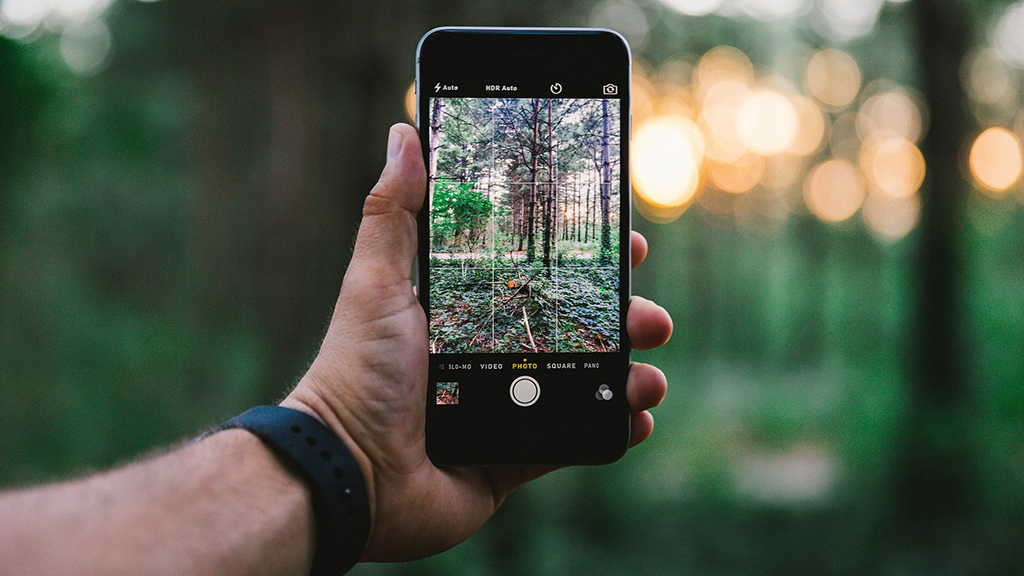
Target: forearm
column 222, row 506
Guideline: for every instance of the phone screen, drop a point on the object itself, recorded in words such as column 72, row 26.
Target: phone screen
column 523, row 269
column 524, row 226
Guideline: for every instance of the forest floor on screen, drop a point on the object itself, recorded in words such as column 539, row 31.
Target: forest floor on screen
column 524, row 225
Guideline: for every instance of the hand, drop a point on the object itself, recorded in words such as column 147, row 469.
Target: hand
column 368, row 382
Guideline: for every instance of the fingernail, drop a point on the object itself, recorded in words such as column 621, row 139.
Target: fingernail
column 395, row 139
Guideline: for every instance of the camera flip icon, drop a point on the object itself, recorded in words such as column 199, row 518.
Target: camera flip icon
column 610, row 89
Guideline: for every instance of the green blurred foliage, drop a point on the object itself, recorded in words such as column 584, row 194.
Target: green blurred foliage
column 174, row 229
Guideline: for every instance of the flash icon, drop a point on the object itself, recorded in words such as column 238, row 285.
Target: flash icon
column 437, row 88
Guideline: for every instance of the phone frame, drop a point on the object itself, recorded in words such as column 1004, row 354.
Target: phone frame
column 572, row 426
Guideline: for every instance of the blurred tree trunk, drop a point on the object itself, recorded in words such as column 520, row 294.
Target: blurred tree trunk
column 289, row 137
column 934, row 478
column 261, row 203
column 293, row 102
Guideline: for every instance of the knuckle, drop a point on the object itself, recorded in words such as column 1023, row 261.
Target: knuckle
column 377, row 204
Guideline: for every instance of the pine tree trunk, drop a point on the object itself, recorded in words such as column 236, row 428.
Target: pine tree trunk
column 435, row 136
column 585, row 211
column 552, row 199
column 532, row 205
column 521, row 231
column 606, row 185
column 576, row 210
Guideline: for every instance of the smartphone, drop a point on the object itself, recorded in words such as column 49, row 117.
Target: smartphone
column 523, row 266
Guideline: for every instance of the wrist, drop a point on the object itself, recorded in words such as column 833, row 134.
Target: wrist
column 314, row 406
column 283, row 497
column 341, row 506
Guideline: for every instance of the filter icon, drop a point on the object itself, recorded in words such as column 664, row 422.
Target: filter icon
column 603, row 392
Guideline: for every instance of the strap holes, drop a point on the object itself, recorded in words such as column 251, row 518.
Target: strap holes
column 310, row 440
column 325, row 455
column 297, row 429
column 338, row 473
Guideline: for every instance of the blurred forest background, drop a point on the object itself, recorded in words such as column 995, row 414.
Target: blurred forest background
column 832, row 193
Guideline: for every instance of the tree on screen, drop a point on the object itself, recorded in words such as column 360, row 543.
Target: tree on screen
column 524, row 224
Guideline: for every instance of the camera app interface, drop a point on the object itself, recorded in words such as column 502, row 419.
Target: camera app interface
column 524, row 225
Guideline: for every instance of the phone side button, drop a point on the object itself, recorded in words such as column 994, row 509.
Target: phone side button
column 525, row 391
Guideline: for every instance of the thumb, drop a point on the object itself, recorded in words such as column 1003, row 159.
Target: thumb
column 386, row 244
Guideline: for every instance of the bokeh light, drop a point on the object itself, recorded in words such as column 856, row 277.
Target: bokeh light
column 781, row 171
column 20, row 18
column 833, row 190
column 763, row 10
column 995, row 159
column 694, row 7
column 720, row 64
column 987, row 79
column 890, row 219
column 718, row 120
column 410, row 102
column 86, row 46
column 767, row 122
column 833, row 77
column 666, row 158
column 890, row 111
column 773, row 10
column 844, row 20
column 85, row 40
column 1009, row 35
column 675, row 101
column 739, row 176
column 769, row 148
column 811, row 127
column 893, row 165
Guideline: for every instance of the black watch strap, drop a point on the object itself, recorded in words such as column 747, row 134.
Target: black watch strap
column 340, row 504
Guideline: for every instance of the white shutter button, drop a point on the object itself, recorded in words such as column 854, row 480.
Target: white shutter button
column 524, row 391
